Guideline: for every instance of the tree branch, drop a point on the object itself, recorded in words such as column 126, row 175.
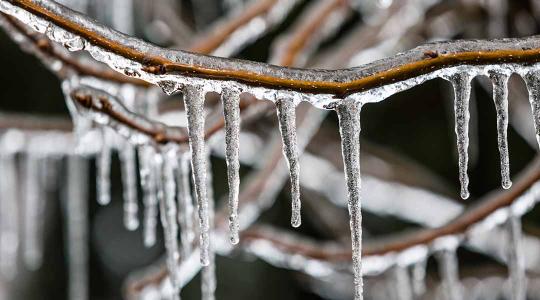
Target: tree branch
column 340, row 83
column 485, row 207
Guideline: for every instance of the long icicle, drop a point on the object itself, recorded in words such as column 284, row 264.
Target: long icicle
column 167, row 207
column 9, row 212
column 448, row 269
column 76, row 213
column 532, row 79
column 208, row 287
column 349, row 128
column 231, row 113
column 194, row 104
column 33, row 212
column 149, row 177
column 462, row 92
column 103, row 166
column 287, row 125
column 129, row 182
column 418, row 272
column 516, row 263
column 500, row 97
column 185, row 204
column 402, row 283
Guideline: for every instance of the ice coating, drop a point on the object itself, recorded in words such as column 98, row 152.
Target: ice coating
column 349, row 129
column 287, row 126
column 194, row 104
column 516, row 259
column 231, row 113
column 149, row 176
column 499, row 144
column 532, row 79
column 167, row 206
column 185, row 204
column 129, row 182
column 76, row 215
column 33, row 213
column 500, row 97
column 462, row 92
column 103, row 166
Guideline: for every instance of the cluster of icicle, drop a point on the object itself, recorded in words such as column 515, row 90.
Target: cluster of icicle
column 164, row 169
column 28, row 159
column 32, row 159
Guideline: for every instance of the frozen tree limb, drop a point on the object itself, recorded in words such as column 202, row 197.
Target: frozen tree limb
column 157, row 61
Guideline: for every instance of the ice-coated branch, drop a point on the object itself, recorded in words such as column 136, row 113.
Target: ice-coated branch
column 105, row 104
column 154, row 62
column 45, row 48
column 487, row 206
column 205, row 44
column 100, row 102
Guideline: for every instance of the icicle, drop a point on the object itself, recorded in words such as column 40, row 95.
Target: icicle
column 231, row 112
column 448, row 270
column 208, row 287
column 418, row 271
column 9, row 212
column 349, row 127
column 167, row 207
column 462, row 91
column 533, row 85
column 129, row 182
column 402, row 282
column 103, row 167
column 500, row 97
column 185, row 205
column 33, row 213
column 194, row 103
column 516, row 263
column 148, row 177
column 287, row 125
column 75, row 202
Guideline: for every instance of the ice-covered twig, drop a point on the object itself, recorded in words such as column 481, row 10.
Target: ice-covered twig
column 43, row 46
column 108, row 105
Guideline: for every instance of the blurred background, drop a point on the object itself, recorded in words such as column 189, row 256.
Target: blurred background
column 409, row 158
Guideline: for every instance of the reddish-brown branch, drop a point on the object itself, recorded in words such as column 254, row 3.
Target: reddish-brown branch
column 301, row 37
column 159, row 132
column 44, row 45
column 487, row 206
column 223, row 30
column 339, row 83
column 204, row 45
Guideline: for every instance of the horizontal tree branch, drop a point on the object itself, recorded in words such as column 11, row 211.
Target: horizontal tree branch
column 340, row 83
